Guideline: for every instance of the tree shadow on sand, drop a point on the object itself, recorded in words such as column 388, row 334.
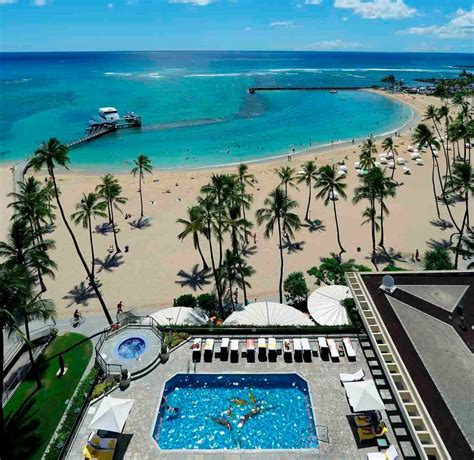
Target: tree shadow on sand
column 80, row 294
column 247, row 250
column 442, row 243
column 140, row 224
column 315, row 225
column 195, row 279
column 104, row 228
column 110, row 262
column 293, row 247
column 441, row 224
column 389, row 256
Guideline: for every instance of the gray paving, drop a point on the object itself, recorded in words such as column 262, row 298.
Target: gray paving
column 451, row 367
column 328, row 396
column 446, row 297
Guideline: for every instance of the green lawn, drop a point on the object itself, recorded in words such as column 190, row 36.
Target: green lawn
column 34, row 415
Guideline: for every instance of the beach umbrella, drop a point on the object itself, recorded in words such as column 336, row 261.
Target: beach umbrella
column 268, row 314
column 178, row 316
column 325, row 305
column 111, row 415
column 363, row 396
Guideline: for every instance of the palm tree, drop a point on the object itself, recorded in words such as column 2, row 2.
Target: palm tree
column 287, row 177
column 142, row 165
column 461, row 183
column 51, row 155
column 208, row 217
column 443, row 113
column 278, row 210
column 194, row 226
column 22, row 249
column 331, row 184
column 386, row 188
column 245, row 179
column 90, row 207
column 369, row 146
column 237, row 226
column 366, row 161
column 308, row 174
column 389, row 147
column 111, row 191
column 370, row 216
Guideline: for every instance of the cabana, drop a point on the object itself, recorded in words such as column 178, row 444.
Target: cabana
column 363, row 396
column 179, row 316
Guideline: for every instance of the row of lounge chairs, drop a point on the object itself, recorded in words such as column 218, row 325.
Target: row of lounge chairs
column 267, row 347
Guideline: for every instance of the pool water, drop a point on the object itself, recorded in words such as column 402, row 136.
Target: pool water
column 132, row 348
column 236, row 411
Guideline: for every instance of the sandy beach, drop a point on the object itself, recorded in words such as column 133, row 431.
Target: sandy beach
column 147, row 276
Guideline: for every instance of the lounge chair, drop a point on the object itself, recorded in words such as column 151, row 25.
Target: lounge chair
column 224, row 351
column 102, row 443
column 355, row 377
column 272, row 348
column 369, row 433
column 333, row 350
column 250, row 346
column 90, row 452
column 350, row 352
column 208, row 349
column 371, row 418
column 234, row 350
column 196, row 347
column 323, row 347
column 298, row 349
column 262, row 347
column 406, row 170
column 287, row 349
column 390, row 454
column 307, row 351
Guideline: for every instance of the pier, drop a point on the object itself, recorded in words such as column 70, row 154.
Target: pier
column 254, row 89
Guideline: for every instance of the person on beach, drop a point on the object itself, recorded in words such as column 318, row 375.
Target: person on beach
column 255, row 238
column 417, row 255
column 119, row 308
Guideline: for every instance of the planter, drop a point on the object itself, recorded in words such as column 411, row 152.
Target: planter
column 164, row 355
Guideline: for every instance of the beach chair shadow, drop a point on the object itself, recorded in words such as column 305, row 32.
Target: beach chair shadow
column 109, row 263
column 195, row 279
column 80, row 294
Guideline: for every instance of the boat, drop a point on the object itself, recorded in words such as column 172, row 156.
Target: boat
column 109, row 114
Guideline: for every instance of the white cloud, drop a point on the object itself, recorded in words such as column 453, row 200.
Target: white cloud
column 334, row 45
column 461, row 26
column 313, row 2
column 7, row 2
column 282, row 24
column 193, row 2
column 378, row 9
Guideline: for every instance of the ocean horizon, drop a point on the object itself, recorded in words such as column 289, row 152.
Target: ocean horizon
column 195, row 107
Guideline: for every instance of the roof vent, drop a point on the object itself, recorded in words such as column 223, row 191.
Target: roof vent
column 388, row 284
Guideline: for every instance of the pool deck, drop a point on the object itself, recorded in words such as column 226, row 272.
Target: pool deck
column 331, row 408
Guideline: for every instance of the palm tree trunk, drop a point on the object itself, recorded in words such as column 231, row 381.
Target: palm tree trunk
column 109, row 212
column 218, row 288
column 309, row 201
column 466, row 197
column 434, row 185
column 117, row 249
column 92, row 248
column 78, row 249
column 280, row 286
column 337, row 226
column 394, row 167
column 244, row 288
column 2, row 415
column 382, row 233
column 198, row 247
column 34, row 367
column 458, row 246
column 230, row 291
column 372, row 218
column 141, row 194
column 286, row 189
column 446, row 156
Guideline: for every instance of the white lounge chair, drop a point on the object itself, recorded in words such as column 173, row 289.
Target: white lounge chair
column 196, row 347
column 287, row 348
column 272, row 347
column 225, row 345
column 250, row 349
column 383, row 161
column 306, row 348
column 333, row 350
column 298, row 348
column 391, row 164
column 234, row 349
column 262, row 347
column 419, row 162
column 406, row 170
column 390, row 454
column 323, row 347
column 415, row 156
column 400, row 161
column 355, row 377
column 350, row 352
column 209, row 349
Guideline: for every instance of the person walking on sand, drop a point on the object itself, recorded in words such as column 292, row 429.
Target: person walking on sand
column 417, row 255
column 119, row 308
column 255, row 238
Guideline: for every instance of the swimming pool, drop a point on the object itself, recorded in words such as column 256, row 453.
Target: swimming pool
column 236, row 411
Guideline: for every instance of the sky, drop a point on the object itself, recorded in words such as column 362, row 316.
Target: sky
column 326, row 25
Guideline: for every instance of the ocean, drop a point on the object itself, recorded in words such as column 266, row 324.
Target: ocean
column 195, row 107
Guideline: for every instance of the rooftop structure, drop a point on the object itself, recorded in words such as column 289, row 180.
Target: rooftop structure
column 423, row 334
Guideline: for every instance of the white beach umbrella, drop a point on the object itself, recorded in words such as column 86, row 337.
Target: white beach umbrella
column 363, row 396
column 325, row 305
column 180, row 316
column 268, row 314
column 111, row 415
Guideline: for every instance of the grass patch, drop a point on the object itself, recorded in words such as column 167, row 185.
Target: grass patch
column 32, row 416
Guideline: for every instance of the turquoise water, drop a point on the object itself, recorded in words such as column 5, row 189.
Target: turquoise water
column 209, row 412
column 195, row 107
column 131, row 348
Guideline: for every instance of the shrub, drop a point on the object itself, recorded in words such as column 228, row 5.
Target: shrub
column 186, row 300
column 332, row 271
column 393, row 268
column 208, row 303
column 103, row 387
column 296, row 289
column 177, row 338
column 437, row 259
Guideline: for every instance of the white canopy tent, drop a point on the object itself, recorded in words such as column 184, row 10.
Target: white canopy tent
column 325, row 305
column 111, row 415
column 268, row 314
column 363, row 396
column 180, row 316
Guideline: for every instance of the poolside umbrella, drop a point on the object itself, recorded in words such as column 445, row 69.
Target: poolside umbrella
column 268, row 314
column 325, row 305
column 177, row 316
column 363, row 396
column 112, row 414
